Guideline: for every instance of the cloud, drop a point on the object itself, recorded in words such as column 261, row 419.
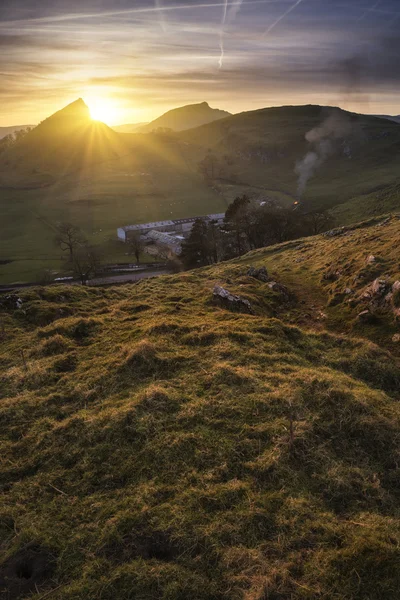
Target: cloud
column 323, row 52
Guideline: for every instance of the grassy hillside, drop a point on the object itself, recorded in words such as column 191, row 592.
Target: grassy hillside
column 156, row 445
column 379, row 202
column 264, row 146
column 71, row 168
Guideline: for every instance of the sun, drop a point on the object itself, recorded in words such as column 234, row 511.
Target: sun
column 104, row 110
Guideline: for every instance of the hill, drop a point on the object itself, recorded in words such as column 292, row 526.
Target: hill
column 12, row 129
column 186, row 117
column 73, row 169
column 390, row 117
column 67, row 141
column 158, row 445
column 323, row 155
column 129, row 127
column 381, row 201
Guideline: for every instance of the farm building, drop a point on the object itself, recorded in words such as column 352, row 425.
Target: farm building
column 161, row 238
column 182, row 226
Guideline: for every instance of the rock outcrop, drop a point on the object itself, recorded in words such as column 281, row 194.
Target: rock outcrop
column 261, row 274
column 223, row 298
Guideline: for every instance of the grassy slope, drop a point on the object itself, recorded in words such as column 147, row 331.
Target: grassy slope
column 378, row 202
column 147, row 445
column 266, row 144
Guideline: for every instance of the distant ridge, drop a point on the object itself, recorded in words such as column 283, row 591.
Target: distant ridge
column 129, row 127
column 186, row 117
column 12, row 129
column 394, row 118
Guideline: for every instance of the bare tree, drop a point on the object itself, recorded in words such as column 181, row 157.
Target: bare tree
column 69, row 238
column 136, row 246
column 85, row 262
column 209, row 166
column 319, row 221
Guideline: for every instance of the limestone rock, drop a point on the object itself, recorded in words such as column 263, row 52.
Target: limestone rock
column 281, row 289
column 261, row 274
column 396, row 286
column 379, row 287
column 334, row 232
column 230, row 301
column 11, row 302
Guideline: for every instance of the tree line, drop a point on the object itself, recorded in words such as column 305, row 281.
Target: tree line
column 248, row 225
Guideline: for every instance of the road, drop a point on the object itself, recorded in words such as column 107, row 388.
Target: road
column 128, row 277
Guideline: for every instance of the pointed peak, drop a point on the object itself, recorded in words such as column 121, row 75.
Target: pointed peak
column 76, row 110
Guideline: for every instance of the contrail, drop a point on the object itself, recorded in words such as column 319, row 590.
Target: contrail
column 371, row 9
column 221, row 35
column 233, row 10
column 229, row 14
column 285, row 14
column 116, row 13
column 159, row 7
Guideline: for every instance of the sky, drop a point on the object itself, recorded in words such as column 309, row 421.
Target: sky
column 135, row 59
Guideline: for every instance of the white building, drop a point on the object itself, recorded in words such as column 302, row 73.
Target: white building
column 170, row 226
column 161, row 238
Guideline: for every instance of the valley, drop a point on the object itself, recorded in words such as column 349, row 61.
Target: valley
column 100, row 180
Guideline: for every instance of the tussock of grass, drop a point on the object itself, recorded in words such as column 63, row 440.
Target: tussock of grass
column 56, row 344
column 199, row 453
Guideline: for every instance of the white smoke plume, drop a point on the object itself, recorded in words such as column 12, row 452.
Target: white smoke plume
column 322, row 139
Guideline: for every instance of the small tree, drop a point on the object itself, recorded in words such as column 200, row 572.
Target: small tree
column 69, row 238
column 135, row 246
column 209, row 167
column 202, row 246
column 237, row 225
column 319, row 221
column 85, row 262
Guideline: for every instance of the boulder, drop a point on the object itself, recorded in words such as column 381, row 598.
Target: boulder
column 396, row 338
column 281, row 289
column 396, row 286
column 332, row 274
column 371, row 259
column 223, row 298
column 11, row 302
column 379, row 287
column 334, row 232
column 261, row 274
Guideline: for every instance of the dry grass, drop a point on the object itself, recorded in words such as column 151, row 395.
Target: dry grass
column 172, row 449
